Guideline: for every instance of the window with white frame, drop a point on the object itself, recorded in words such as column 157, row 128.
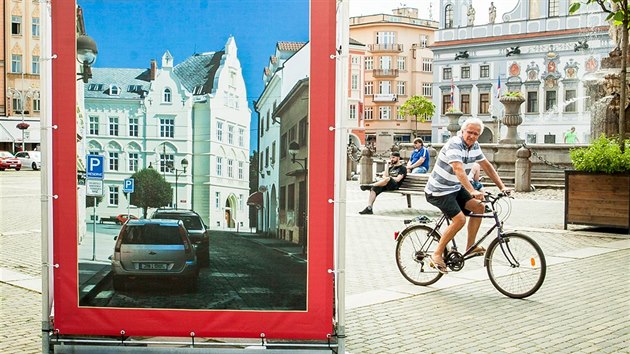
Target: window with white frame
column 93, row 125
column 240, row 201
column 240, row 170
column 448, row 16
column 35, row 26
column 133, row 126
column 570, row 98
column 355, row 59
column 427, row 64
column 113, row 195
column 399, row 115
column 35, row 65
column 484, row 71
column 427, row 89
column 465, row 72
column 17, row 104
column 113, row 161
column 369, row 88
column 113, row 126
column 16, row 63
column 36, row 104
column 424, row 40
column 354, row 82
column 217, row 200
column 230, row 168
column 401, row 87
column 447, row 73
column 385, row 112
column 352, row 111
column 384, row 87
column 219, row 166
column 133, row 160
column 368, row 113
column 554, row 8
column 16, row 25
column 167, row 127
column 230, row 134
column 385, row 37
column 241, row 137
column 369, row 63
column 402, row 63
column 114, row 90
column 220, row 131
column 166, row 161
column 385, row 62
column 167, row 96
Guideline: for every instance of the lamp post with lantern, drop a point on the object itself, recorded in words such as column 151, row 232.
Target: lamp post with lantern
column 178, row 173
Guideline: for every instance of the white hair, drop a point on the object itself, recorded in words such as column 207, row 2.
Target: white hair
column 475, row 121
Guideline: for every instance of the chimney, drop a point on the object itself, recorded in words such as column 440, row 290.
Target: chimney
column 153, row 69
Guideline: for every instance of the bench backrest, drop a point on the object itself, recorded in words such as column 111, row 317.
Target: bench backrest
column 414, row 182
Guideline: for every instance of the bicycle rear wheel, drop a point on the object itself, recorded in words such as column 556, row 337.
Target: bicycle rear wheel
column 516, row 265
column 415, row 245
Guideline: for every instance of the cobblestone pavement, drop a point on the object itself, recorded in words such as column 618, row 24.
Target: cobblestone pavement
column 581, row 308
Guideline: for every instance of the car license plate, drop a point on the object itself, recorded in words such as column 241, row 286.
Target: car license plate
column 153, row 266
column 12, row 165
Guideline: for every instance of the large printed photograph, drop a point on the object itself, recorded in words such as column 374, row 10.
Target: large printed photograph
column 200, row 117
column 192, row 157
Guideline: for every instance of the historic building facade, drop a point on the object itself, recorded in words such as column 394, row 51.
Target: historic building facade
column 537, row 49
column 398, row 64
column 159, row 117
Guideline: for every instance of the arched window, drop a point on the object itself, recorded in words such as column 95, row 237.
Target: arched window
column 114, row 90
column 448, row 16
column 167, row 97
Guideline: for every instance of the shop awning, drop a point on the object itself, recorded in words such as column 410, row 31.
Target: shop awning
column 255, row 199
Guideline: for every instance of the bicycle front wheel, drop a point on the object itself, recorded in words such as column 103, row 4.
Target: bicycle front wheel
column 516, row 265
column 414, row 246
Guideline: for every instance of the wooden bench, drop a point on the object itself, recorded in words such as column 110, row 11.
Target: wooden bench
column 413, row 184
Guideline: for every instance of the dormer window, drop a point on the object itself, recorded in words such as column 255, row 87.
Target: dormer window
column 198, row 90
column 134, row 88
column 167, row 96
column 114, row 90
column 95, row 87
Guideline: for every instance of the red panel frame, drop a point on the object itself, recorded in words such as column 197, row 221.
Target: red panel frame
column 314, row 323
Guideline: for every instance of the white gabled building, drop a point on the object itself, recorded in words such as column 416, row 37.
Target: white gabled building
column 157, row 117
column 289, row 64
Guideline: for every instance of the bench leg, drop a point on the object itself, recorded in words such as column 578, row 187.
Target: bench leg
column 408, row 200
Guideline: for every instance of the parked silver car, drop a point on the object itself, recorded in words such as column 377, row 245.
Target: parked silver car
column 30, row 159
column 155, row 248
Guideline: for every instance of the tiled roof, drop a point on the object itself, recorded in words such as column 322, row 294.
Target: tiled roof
column 290, row 46
column 199, row 70
column 123, row 78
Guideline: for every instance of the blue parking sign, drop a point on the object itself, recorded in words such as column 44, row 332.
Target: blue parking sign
column 95, row 165
column 128, row 185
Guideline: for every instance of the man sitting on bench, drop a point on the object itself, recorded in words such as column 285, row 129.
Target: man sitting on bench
column 393, row 176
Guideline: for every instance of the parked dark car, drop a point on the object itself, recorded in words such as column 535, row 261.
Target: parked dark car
column 154, row 248
column 8, row 161
column 197, row 230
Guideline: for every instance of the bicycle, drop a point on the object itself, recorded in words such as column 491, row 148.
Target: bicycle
column 515, row 263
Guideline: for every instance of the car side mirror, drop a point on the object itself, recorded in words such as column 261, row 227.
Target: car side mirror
column 115, row 237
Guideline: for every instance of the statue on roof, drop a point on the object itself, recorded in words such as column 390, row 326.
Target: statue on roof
column 471, row 15
column 492, row 13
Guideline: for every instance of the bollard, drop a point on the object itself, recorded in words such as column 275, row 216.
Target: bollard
column 365, row 164
column 432, row 157
column 523, row 171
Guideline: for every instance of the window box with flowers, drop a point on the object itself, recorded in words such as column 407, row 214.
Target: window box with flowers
column 22, row 126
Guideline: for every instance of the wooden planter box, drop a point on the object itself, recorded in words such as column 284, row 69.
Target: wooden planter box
column 597, row 199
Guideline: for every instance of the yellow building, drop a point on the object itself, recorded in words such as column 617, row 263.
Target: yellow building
column 397, row 65
column 20, row 72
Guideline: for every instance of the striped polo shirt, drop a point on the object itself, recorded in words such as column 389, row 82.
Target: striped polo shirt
column 443, row 180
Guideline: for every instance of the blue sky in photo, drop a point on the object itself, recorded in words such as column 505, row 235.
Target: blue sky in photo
column 129, row 33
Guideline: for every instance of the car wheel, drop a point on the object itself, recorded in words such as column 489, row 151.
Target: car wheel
column 17, row 169
column 34, row 166
column 119, row 283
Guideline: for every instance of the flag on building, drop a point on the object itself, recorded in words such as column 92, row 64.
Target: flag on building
column 498, row 86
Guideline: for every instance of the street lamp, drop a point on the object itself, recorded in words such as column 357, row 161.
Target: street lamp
column 177, row 174
column 86, row 56
column 294, row 148
column 21, row 96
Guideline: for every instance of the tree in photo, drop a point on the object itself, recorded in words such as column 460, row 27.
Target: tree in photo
column 420, row 107
column 151, row 190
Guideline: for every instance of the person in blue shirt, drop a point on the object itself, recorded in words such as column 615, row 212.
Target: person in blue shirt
column 419, row 160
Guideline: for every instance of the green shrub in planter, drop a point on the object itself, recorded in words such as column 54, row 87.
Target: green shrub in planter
column 603, row 155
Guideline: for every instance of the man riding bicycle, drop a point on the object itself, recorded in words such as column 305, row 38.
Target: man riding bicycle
column 450, row 190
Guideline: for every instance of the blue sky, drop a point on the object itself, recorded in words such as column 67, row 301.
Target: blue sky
column 129, row 33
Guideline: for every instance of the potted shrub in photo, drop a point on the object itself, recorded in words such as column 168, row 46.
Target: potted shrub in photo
column 597, row 192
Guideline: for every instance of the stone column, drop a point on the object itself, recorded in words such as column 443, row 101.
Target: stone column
column 432, row 157
column 512, row 118
column 453, row 122
column 523, row 171
column 365, row 164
